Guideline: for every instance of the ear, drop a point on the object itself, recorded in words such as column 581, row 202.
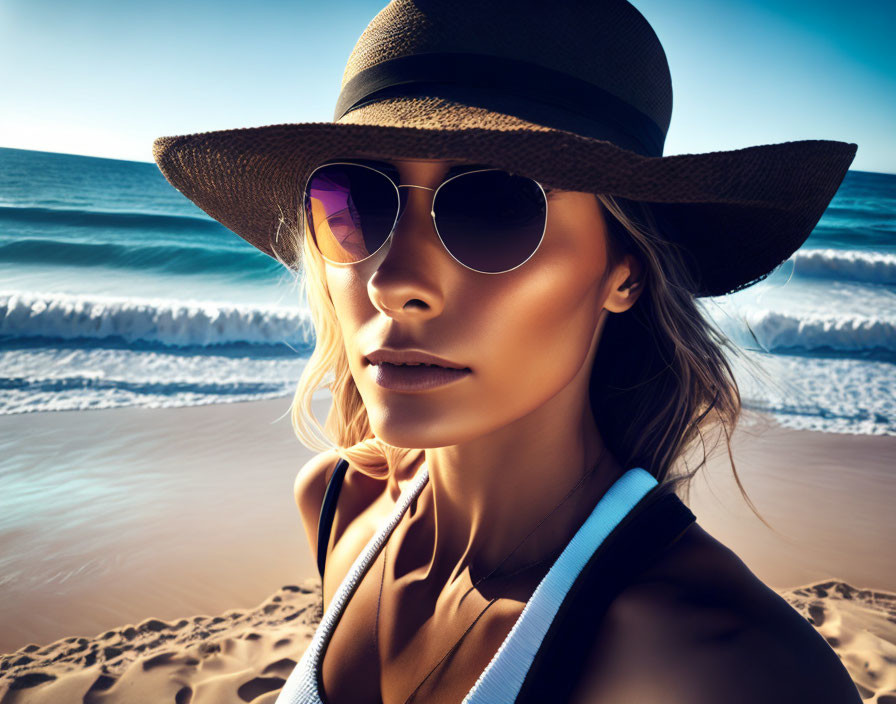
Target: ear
column 626, row 283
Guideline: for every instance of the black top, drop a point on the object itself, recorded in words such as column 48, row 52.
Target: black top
column 653, row 524
column 327, row 511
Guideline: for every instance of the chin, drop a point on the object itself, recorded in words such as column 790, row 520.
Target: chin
column 412, row 437
column 415, row 428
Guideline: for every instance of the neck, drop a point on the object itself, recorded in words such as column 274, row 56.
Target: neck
column 485, row 496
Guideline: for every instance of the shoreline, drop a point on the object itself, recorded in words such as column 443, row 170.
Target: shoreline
column 162, row 512
column 827, row 496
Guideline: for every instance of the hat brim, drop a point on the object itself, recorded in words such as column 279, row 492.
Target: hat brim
column 738, row 213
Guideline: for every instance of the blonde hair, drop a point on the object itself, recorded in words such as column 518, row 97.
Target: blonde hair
column 660, row 383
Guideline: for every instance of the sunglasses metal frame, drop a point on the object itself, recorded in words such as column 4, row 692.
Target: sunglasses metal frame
column 399, row 211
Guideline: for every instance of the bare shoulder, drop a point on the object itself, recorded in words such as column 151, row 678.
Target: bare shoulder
column 700, row 627
column 359, row 496
column 309, row 488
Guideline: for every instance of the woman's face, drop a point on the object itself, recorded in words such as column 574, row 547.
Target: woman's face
column 524, row 334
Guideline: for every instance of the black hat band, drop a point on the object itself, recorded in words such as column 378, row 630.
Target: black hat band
column 510, row 86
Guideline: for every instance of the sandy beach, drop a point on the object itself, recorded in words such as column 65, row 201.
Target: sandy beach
column 206, row 524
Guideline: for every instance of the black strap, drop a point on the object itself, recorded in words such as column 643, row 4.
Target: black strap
column 654, row 523
column 327, row 511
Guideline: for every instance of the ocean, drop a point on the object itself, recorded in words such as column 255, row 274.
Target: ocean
column 116, row 290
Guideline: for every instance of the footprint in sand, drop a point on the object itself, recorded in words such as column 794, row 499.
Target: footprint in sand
column 32, row 679
column 281, row 668
column 816, row 614
column 168, row 658
column 258, row 686
column 102, row 683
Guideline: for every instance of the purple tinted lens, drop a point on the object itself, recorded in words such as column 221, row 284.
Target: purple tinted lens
column 491, row 221
column 350, row 211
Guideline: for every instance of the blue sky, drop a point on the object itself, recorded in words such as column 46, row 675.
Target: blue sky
column 105, row 78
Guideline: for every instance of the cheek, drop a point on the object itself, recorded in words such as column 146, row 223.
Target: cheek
column 348, row 292
column 537, row 331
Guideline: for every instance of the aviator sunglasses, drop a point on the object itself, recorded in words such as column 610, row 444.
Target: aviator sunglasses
column 489, row 220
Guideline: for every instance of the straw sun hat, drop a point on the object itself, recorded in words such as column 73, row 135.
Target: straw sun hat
column 576, row 95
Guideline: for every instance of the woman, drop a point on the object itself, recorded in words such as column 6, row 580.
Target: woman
column 492, row 201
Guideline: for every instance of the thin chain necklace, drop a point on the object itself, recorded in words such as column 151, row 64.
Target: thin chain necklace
column 478, row 581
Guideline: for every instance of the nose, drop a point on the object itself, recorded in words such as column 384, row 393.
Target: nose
column 407, row 280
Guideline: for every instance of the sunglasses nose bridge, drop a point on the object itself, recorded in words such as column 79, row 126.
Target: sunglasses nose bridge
column 404, row 197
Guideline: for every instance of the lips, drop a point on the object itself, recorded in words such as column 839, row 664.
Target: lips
column 415, row 377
